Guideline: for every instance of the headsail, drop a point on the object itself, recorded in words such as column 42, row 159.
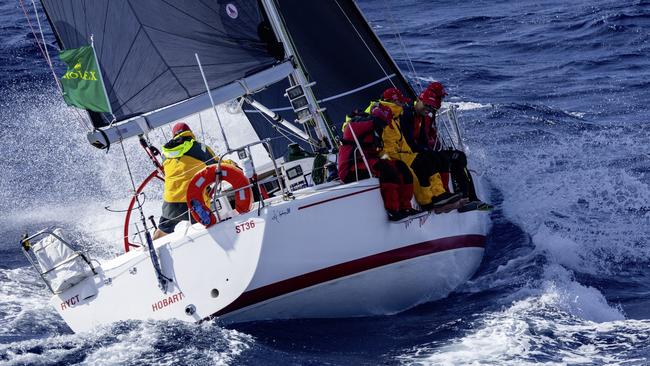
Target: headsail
column 340, row 52
column 146, row 47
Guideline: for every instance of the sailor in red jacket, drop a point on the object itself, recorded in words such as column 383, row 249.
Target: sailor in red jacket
column 395, row 179
column 424, row 138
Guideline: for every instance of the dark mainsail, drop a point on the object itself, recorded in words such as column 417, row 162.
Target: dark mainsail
column 146, row 47
column 340, row 52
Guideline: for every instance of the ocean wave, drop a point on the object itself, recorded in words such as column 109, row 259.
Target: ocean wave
column 557, row 321
column 533, row 331
column 26, row 312
column 133, row 343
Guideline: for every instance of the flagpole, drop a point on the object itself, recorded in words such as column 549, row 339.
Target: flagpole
column 101, row 77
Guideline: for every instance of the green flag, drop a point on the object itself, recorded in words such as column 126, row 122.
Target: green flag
column 82, row 83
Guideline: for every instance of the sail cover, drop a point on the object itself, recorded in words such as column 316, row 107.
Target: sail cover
column 146, row 47
column 340, row 52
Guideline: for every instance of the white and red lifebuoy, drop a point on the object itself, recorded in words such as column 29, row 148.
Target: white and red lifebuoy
column 197, row 190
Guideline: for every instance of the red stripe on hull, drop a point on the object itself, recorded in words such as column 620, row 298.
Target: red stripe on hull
column 349, row 268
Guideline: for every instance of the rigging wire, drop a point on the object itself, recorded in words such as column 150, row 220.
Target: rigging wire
column 164, row 135
column 403, row 45
column 128, row 168
column 365, row 44
column 285, row 132
column 202, row 130
column 162, row 279
column 40, row 28
column 284, row 135
column 38, row 43
column 46, row 55
column 448, row 130
column 214, row 107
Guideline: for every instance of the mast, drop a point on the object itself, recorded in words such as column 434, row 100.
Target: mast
column 298, row 75
column 338, row 49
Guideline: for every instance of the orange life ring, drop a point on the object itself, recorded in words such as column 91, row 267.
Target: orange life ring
column 196, row 192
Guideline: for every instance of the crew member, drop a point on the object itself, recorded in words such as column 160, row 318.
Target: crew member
column 183, row 157
column 429, row 191
column 395, row 180
column 424, row 139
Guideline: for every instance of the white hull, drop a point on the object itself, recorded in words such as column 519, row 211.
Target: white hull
column 381, row 291
column 330, row 252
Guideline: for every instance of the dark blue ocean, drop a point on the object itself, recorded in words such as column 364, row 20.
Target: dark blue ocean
column 554, row 97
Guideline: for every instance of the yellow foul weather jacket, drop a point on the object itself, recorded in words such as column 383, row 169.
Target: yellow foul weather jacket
column 396, row 147
column 184, row 157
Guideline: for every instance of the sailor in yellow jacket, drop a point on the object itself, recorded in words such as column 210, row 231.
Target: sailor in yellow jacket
column 183, row 157
column 428, row 189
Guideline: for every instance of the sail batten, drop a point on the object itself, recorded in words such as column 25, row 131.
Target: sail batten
column 146, row 47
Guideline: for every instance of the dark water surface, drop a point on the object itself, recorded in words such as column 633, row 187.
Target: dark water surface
column 554, row 97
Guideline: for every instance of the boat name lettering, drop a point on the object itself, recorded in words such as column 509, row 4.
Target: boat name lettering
column 277, row 215
column 245, row 226
column 70, row 303
column 167, row 301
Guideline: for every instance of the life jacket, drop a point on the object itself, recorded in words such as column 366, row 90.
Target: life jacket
column 424, row 131
column 183, row 157
column 366, row 130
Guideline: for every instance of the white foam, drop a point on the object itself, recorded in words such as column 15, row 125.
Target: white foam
column 205, row 342
column 467, row 106
column 151, row 342
column 559, row 249
column 576, row 114
column 560, row 291
column 538, row 328
column 574, row 191
column 24, row 303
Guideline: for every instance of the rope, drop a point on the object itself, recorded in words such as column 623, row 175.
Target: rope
column 144, row 198
column 284, row 135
